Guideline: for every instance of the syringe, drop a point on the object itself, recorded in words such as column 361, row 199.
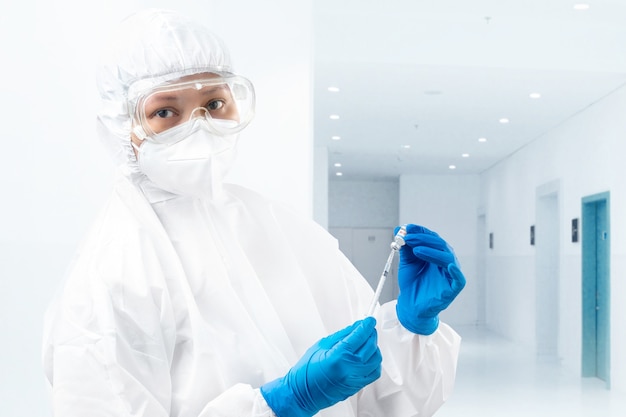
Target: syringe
column 398, row 242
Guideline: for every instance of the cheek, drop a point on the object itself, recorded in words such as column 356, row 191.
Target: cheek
column 232, row 114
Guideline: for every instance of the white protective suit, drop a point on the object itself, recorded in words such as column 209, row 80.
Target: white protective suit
column 179, row 306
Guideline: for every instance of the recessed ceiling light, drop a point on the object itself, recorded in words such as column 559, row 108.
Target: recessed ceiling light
column 482, row 139
column 339, row 174
column 333, row 89
column 335, row 137
column 406, row 146
column 337, row 164
column 581, row 6
column 465, row 155
column 452, row 166
column 504, row 120
column 334, row 117
column 534, row 95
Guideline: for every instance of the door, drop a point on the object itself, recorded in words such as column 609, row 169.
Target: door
column 481, row 270
column 596, row 287
column 371, row 248
column 547, row 256
column 368, row 249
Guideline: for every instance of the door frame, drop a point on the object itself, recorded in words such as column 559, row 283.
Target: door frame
column 591, row 319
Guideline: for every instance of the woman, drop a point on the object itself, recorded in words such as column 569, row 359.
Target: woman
column 191, row 297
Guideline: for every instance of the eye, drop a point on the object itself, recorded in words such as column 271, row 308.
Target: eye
column 163, row 113
column 215, row 105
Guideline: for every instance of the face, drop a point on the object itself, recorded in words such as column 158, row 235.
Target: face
column 207, row 95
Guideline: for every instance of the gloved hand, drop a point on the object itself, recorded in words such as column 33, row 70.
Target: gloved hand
column 429, row 279
column 333, row 369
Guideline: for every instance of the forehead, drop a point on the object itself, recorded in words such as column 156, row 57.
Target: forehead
column 201, row 81
column 142, row 88
column 188, row 87
column 194, row 77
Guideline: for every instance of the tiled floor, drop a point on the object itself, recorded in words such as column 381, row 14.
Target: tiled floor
column 498, row 378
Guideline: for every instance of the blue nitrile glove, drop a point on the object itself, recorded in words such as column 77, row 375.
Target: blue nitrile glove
column 333, row 369
column 429, row 279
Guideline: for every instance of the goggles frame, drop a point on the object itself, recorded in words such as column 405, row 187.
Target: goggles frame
column 240, row 89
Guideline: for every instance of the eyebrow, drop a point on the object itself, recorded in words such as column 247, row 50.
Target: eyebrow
column 161, row 100
column 214, row 89
column 163, row 97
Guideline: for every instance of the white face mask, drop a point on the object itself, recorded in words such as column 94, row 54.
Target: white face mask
column 188, row 159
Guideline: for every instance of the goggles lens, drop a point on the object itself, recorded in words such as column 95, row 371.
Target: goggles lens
column 227, row 103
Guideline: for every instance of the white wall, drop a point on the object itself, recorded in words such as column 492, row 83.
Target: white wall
column 320, row 186
column 55, row 174
column 586, row 156
column 360, row 203
column 448, row 205
column 362, row 216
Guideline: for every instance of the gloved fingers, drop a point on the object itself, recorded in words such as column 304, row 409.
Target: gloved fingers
column 458, row 279
column 332, row 339
column 406, row 255
column 368, row 350
column 365, row 373
column 421, row 239
column 414, row 236
column 367, row 360
column 436, row 256
column 363, row 336
column 415, row 228
column 376, row 361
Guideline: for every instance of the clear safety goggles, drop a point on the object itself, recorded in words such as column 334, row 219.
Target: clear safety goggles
column 225, row 102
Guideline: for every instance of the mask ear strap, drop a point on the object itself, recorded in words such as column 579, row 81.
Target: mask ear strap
column 140, row 133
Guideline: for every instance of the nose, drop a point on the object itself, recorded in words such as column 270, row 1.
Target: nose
column 199, row 112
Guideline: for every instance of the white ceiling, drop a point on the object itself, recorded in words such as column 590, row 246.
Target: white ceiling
column 439, row 74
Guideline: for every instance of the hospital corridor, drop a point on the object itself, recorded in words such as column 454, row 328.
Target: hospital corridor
column 500, row 372
column 498, row 377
